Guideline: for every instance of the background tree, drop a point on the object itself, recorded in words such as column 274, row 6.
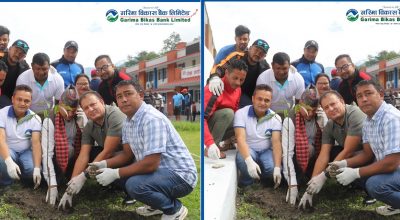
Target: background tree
column 383, row 55
column 143, row 55
column 170, row 42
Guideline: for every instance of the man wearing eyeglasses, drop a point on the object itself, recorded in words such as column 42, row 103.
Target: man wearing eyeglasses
column 110, row 77
column 15, row 60
column 306, row 65
column 66, row 65
column 351, row 76
column 254, row 59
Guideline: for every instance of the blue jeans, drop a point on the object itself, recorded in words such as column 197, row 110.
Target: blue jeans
column 263, row 158
column 25, row 162
column 385, row 188
column 159, row 190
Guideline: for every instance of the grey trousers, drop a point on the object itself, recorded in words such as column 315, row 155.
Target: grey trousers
column 221, row 125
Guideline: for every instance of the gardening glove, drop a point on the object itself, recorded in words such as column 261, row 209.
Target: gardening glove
column 253, row 168
column 12, row 168
column 107, row 176
column 37, row 177
column 307, row 197
column 291, row 195
column 277, row 177
column 93, row 167
column 80, row 118
column 316, row 183
column 51, row 196
column 216, row 86
column 333, row 168
column 348, row 175
column 213, row 152
column 76, row 183
column 66, row 201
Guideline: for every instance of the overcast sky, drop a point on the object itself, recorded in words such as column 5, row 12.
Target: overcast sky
column 286, row 26
column 47, row 26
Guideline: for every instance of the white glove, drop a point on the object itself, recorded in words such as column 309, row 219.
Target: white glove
column 80, row 118
column 334, row 167
column 253, row 168
column 37, row 177
column 93, row 167
column 316, row 183
column 107, row 176
column 51, row 196
column 348, row 175
column 340, row 163
column 306, row 198
column 292, row 193
column 213, row 152
column 12, row 168
column 216, row 86
column 76, row 183
column 277, row 177
column 66, row 201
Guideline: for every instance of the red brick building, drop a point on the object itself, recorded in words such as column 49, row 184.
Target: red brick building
column 386, row 72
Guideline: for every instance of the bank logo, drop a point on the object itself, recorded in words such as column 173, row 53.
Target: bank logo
column 352, row 15
column 112, row 15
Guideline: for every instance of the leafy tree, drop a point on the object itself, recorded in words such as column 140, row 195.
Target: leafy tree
column 170, row 42
column 143, row 55
column 383, row 55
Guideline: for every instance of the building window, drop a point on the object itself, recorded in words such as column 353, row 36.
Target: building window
column 196, row 96
column 150, row 76
column 181, row 65
column 193, row 62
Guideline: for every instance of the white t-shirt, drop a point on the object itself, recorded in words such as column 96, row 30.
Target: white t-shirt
column 258, row 132
column 42, row 96
column 282, row 95
column 18, row 136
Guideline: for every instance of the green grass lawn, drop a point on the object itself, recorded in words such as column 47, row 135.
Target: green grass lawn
column 95, row 201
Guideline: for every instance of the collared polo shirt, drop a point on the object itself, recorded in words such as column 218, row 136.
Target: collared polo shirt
column 382, row 131
column 112, row 126
column 18, row 136
column 151, row 132
column 43, row 97
column 258, row 131
column 282, row 95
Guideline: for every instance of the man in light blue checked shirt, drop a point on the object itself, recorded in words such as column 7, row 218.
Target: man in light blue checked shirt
column 164, row 169
column 380, row 141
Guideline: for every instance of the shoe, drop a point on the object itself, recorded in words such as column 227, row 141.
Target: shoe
column 147, row 211
column 368, row 200
column 387, row 210
column 179, row 215
column 128, row 200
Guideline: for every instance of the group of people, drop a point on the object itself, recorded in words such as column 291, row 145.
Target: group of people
column 184, row 104
column 57, row 124
column 292, row 120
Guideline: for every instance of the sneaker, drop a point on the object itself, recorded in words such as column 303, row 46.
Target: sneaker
column 179, row 215
column 128, row 200
column 147, row 211
column 387, row 210
column 368, row 200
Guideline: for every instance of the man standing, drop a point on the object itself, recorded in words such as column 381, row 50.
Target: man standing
column 66, row 65
column 256, row 64
column 16, row 65
column 219, row 110
column 306, row 65
column 110, row 78
column 258, row 135
column 104, row 128
column 4, row 100
column 163, row 171
column 336, row 80
column 47, row 85
column 159, row 102
column 177, row 100
column 350, row 75
column 285, row 83
column 95, row 81
column 345, row 128
column 380, row 142
column 20, row 148
column 242, row 38
column 187, row 102
column 4, row 39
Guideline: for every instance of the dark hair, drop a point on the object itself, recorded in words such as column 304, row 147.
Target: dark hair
column 264, row 87
column 81, row 75
column 88, row 93
column 4, row 30
column 134, row 83
column 240, row 30
column 331, row 92
column 22, row 87
column 102, row 57
column 3, row 66
column 343, row 56
column 375, row 83
column 280, row 58
column 40, row 59
column 321, row 75
column 237, row 64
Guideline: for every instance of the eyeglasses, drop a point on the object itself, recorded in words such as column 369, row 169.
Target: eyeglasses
column 345, row 67
column 82, row 84
column 263, row 44
column 103, row 68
